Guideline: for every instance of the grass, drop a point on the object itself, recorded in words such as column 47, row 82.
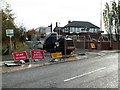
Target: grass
column 20, row 47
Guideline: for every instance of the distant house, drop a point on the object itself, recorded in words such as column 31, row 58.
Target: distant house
column 30, row 33
column 80, row 28
column 85, row 34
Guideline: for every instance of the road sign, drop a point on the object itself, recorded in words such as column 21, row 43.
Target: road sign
column 20, row 56
column 37, row 54
column 56, row 55
column 9, row 32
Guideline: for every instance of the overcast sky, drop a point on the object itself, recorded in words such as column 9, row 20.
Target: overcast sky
column 36, row 13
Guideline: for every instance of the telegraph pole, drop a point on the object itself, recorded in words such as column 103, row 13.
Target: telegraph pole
column 101, row 15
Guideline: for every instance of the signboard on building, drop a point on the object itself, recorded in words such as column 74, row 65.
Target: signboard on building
column 37, row 54
column 9, row 32
column 20, row 56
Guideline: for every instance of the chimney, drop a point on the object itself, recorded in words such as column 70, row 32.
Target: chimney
column 56, row 24
column 69, row 21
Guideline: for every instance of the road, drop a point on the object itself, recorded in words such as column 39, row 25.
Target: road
column 96, row 72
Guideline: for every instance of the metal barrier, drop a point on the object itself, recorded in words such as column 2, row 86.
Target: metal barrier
column 79, row 44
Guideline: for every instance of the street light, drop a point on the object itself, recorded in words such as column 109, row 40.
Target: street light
column 101, row 14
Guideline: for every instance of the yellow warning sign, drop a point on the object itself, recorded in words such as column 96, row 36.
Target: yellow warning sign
column 92, row 45
column 56, row 55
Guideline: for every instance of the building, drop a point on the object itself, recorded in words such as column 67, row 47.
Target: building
column 79, row 28
column 58, row 29
column 86, row 32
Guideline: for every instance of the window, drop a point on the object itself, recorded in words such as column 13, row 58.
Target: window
column 91, row 30
column 77, row 30
column 63, row 30
column 82, row 29
column 71, row 31
column 97, row 30
column 66, row 30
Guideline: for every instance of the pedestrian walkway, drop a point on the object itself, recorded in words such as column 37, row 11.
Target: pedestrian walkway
column 35, row 64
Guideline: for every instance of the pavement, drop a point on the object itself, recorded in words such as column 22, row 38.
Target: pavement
column 94, row 72
column 75, row 56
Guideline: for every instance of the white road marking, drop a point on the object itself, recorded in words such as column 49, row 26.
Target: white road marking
column 78, row 76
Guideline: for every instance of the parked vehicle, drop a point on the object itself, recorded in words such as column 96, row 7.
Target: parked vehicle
column 49, row 42
column 66, row 45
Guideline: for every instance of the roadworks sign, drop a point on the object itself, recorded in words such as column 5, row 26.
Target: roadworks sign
column 92, row 45
column 56, row 55
column 37, row 54
column 20, row 56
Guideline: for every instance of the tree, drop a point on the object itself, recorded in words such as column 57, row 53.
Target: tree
column 112, row 20
column 8, row 23
column 115, row 20
column 22, row 33
column 30, row 33
column 106, row 17
column 119, row 18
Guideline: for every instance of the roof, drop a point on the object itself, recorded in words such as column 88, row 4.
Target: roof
column 82, row 24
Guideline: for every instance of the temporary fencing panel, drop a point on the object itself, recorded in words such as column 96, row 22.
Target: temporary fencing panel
column 80, row 44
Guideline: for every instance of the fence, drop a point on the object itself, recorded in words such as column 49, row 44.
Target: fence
column 116, row 45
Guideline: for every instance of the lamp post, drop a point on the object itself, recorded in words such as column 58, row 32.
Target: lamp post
column 101, row 15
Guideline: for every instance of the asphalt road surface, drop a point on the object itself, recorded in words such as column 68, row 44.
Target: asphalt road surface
column 97, row 72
